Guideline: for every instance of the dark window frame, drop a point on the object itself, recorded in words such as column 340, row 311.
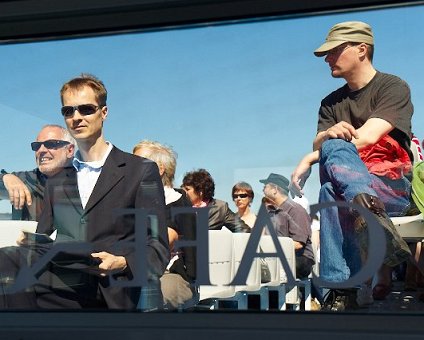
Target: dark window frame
column 38, row 20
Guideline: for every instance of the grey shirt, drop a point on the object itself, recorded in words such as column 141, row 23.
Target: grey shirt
column 290, row 219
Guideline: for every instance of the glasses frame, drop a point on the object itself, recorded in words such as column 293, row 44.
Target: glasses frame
column 65, row 110
column 240, row 196
column 50, row 144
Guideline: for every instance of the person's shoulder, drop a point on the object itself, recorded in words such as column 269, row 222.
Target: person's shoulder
column 183, row 201
column 390, row 79
column 118, row 153
column 292, row 205
column 26, row 173
column 28, row 176
column 130, row 158
column 218, row 202
column 336, row 95
column 386, row 76
column 66, row 175
column 218, row 205
column 64, row 172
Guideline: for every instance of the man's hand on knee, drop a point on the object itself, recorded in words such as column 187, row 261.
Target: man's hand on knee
column 341, row 130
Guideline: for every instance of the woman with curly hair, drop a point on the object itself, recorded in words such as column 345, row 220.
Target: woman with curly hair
column 200, row 188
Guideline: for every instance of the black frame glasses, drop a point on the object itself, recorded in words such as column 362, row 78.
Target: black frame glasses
column 49, row 144
column 83, row 109
column 240, row 196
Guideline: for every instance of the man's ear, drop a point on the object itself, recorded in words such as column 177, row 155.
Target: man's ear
column 161, row 169
column 363, row 49
column 104, row 112
column 70, row 151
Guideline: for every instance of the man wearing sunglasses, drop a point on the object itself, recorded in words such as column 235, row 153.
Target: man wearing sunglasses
column 362, row 147
column 93, row 203
column 54, row 148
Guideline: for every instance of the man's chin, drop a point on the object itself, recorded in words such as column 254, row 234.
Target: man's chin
column 47, row 170
column 335, row 74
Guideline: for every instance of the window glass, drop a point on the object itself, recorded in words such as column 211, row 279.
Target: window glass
column 239, row 100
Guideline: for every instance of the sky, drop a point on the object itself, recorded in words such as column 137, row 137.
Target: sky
column 240, row 100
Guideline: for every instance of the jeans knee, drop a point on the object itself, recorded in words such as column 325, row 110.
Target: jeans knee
column 332, row 145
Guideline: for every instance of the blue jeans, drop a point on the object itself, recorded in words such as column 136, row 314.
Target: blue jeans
column 343, row 175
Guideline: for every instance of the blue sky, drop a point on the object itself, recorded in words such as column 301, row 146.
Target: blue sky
column 240, row 100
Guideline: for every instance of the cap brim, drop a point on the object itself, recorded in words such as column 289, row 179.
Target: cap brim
column 327, row 46
column 264, row 181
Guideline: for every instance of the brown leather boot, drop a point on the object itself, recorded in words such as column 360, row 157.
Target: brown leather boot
column 397, row 251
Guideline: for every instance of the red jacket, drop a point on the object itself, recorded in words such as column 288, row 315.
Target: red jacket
column 386, row 158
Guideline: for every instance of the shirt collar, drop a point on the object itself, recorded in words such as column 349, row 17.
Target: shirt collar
column 78, row 163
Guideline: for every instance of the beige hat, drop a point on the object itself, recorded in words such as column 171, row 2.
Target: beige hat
column 349, row 31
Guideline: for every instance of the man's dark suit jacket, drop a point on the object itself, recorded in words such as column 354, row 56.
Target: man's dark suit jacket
column 126, row 182
column 185, row 226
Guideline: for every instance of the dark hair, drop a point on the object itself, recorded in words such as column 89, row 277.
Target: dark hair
column 202, row 183
column 245, row 187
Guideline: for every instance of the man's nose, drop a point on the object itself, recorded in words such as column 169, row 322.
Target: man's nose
column 77, row 115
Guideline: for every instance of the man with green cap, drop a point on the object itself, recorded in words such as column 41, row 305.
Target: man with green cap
column 364, row 128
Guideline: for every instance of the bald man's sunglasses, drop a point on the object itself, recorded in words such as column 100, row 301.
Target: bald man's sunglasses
column 49, row 144
column 83, row 109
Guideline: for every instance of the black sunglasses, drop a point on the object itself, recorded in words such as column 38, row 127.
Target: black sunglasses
column 240, row 195
column 49, row 144
column 83, row 109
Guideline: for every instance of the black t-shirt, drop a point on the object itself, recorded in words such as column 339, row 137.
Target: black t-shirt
column 386, row 96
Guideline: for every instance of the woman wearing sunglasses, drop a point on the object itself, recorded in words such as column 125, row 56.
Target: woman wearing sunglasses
column 243, row 194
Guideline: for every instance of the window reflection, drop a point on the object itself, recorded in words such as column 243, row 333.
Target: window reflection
column 238, row 100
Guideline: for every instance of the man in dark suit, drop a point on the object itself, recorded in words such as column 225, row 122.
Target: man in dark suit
column 96, row 260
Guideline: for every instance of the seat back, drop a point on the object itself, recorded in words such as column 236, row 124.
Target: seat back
column 10, row 231
column 287, row 245
column 221, row 265
column 267, row 246
column 411, row 228
column 253, row 281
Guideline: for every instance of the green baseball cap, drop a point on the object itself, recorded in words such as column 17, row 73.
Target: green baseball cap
column 349, row 31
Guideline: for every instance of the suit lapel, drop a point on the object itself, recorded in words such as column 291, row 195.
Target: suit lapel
column 70, row 189
column 112, row 173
